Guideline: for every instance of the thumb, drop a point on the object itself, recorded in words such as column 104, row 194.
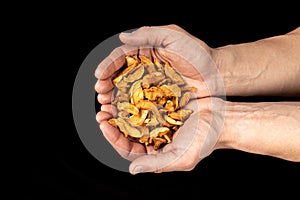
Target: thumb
column 149, row 35
column 160, row 162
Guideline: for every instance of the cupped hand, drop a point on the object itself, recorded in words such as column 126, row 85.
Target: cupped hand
column 193, row 141
column 189, row 56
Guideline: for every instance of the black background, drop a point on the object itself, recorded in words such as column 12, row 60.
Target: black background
column 61, row 167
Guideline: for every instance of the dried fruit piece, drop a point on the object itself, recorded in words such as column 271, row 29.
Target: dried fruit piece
column 136, row 94
column 150, row 100
column 170, row 72
column 132, row 62
column 126, row 106
column 159, row 132
column 152, row 79
column 173, row 121
column 185, row 99
column 158, row 142
column 176, row 91
column 153, row 93
column 113, row 122
column 136, row 75
column 152, row 121
column 140, row 118
column 145, row 60
column 170, row 107
column 180, row 114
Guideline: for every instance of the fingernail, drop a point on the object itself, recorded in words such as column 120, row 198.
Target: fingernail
column 138, row 169
column 125, row 34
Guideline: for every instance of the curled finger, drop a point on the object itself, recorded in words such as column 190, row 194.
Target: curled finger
column 114, row 61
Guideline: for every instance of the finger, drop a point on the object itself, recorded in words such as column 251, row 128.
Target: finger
column 114, row 61
column 202, row 128
column 102, row 115
column 109, row 108
column 161, row 162
column 198, row 104
column 208, row 104
column 103, row 86
column 147, row 52
column 105, row 98
column 153, row 36
column 127, row 149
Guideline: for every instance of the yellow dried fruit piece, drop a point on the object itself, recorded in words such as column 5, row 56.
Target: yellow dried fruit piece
column 132, row 131
column 170, row 72
column 145, row 104
column 136, row 75
column 145, row 60
column 158, row 65
column 176, row 91
column 150, row 67
column 191, row 89
column 153, row 78
column 153, row 93
column 128, row 107
column 137, row 94
column 152, row 121
column 167, row 138
column 170, row 107
column 119, row 122
column 157, row 114
column 140, row 118
column 113, row 122
column 158, row 142
column 125, row 127
column 132, row 62
column 180, row 114
column 134, row 86
column 123, row 114
column 185, row 99
column 159, row 131
column 173, row 121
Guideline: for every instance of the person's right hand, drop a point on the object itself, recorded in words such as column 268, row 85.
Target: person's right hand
column 193, row 141
column 189, row 56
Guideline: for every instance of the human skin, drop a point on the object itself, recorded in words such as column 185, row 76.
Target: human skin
column 269, row 66
column 265, row 67
column 250, row 127
column 267, row 128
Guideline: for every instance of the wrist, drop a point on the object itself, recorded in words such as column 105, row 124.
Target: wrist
column 236, row 78
column 240, row 125
column 266, row 128
column 228, row 137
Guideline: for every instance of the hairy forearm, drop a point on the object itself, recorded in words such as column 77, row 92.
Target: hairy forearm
column 271, row 128
column 269, row 66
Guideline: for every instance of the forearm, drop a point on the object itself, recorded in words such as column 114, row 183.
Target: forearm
column 269, row 66
column 271, row 129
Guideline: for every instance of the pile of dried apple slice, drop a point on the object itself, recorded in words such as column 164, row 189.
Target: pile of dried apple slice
column 150, row 98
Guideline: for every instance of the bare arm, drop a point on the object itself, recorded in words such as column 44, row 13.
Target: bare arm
column 269, row 66
column 271, row 128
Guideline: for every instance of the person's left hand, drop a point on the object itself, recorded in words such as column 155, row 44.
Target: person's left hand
column 188, row 55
